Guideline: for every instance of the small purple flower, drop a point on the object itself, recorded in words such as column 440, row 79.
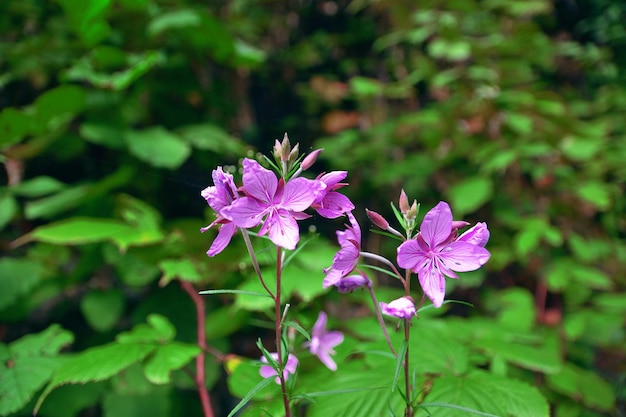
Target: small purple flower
column 330, row 203
column 268, row 371
column 352, row 282
column 279, row 203
column 323, row 342
column 402, row 308
column 434, row 252
column 218, row 196
column 347, row 258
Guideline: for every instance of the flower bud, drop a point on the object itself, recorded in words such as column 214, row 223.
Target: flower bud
column 377, row 219
column 282, row 149
column 293, row 155
column 404, row 202
column 352, row 282
column 310, row 159
column 477, row 235
column 457, row 224
column 402, row 308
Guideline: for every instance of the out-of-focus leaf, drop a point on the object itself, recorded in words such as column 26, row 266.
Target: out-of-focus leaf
column 50, row 206
column 155, row 403
column 224, row 321
column 596, row 193
column 56, row 107
column 8, row 207
column 183, row 269
column 103, row 134
column 38, row 186
column 583, row 384
column 102, row 309
column 86, row 19
column 210, row 137
column 469, row 194
column 365, row 87
column 177, row 19
column 17, row 277
column 14, row 125
column 27, row 363
column 158, row 147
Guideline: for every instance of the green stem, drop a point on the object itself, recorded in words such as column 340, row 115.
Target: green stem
column 278, row 327
column 381, row 321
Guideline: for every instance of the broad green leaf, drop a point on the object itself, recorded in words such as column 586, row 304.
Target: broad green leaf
column 247, row 55
column 583, row 384
column 158, row 330
column 14, row 125
column 38, row 186
column 590, row 277
column 435, row 349
column 102, row 309
column 211, row 137
column 365, row 87
column 8, row 207
column 581, row 149
column 483, row 392
column 224, row 321
column 469, row 194
column 51, row 206
column 168, row 358
column 516, row 309
column 58, row 106
column 158, row 147
column 18, row 276
column 70, row 400
column 27, row 364
column 530, row 236
column 596, row 193
column 86, row 20
column 103, row 134
column 183, row 269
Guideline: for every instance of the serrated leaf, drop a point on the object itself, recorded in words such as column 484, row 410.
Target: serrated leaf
column 168, row 358
column 27, row 364
column 158, row 330
column 485, row 393
column 158, row 147
column 17, row 277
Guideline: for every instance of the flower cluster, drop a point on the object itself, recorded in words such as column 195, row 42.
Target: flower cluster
column 271, row 201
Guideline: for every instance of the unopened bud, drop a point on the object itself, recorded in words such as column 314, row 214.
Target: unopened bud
column 377, row 219
column 285, row 148
column 310, row 159
column 412, row 214
column 277, row 150
column 404, row 202
column 293, row 155
column 457, row 224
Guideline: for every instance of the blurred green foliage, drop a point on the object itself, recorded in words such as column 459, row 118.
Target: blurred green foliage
column 114, row 112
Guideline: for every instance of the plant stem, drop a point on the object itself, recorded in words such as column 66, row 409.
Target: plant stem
column 278, row 327
column 198, row 301
column 408, row 412
column 255, row 263
column 381, row 322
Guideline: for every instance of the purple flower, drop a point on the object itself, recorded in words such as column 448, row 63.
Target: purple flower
column 218, row 196
column 434, row 252
column 351, row 283
column 323, row 342
column 402, row 308
column 347, row 257
column 280, row 203
column 268, row 371
column 330, row 203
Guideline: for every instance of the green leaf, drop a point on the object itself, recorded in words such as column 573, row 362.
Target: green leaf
column 590, row 277
column 210, row 137
column 158, row 330
column 14, row 126
column 155, row 403
column 50, row 206
column 102, row 309
column 246, row 399
column 469, row 194
column 86, row 20
column 103, row 134
column 57, row 106
column 485, row 393
column 365, row 87
column 158, row 147
column 8, row 207
column 575, row 382
column 177, row 19
column 81, row 230
column 18, row 276
column 168, row 358
column 183, row 269
column 224, row 321
column 596, row 193
column 38, row 186
column 27, row 364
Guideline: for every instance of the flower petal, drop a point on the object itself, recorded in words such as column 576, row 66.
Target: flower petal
column 245, row 212
column 333, row 178
column 333, row 205
column 259, row 182
column 300, row 193
column 222, row 239
column 283, row 229
column 433, row 284
column 463, row 256
column 477, row 235
column 437, row 225
column 411, row 255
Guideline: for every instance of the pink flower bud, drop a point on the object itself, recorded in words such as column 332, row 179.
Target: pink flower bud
column 377, row 219
column 457, row 224
column 404, row 202
column 295, row 151
column 310, row 159
column 402, row 308
column 477, row 235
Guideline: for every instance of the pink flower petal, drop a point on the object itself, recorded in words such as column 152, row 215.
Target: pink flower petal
column 437, row 225
column 259, row 182
column 245, row 212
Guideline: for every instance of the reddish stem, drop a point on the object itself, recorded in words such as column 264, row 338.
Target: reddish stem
column 200, row 359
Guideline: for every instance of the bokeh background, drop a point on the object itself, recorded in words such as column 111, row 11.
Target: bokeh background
column 114, row 113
